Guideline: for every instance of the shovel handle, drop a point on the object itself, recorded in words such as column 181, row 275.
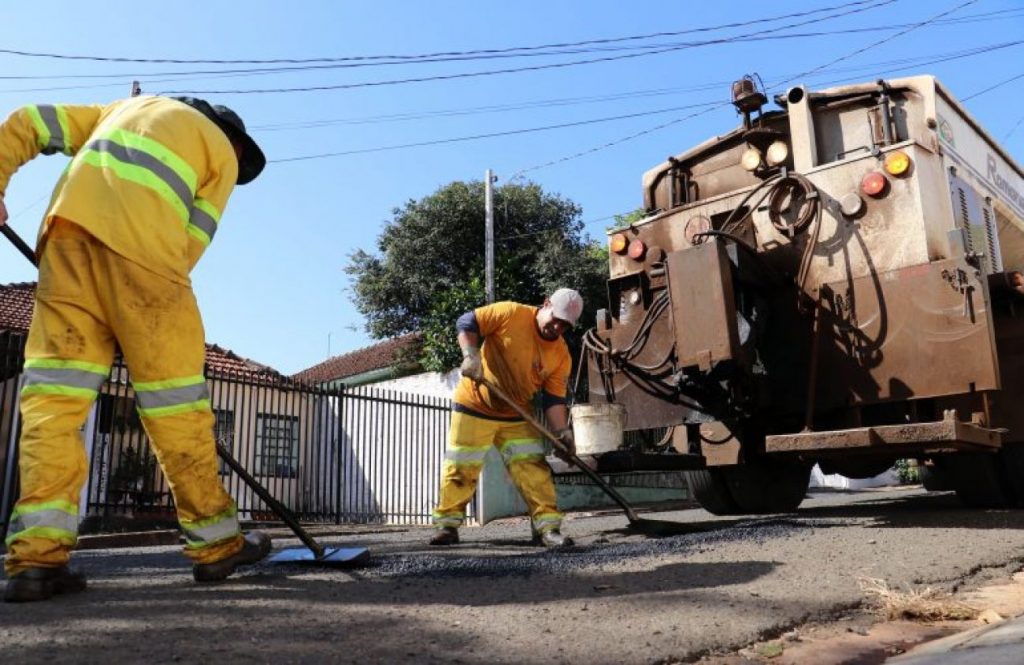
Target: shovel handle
column 557, row 443
column 19, row 243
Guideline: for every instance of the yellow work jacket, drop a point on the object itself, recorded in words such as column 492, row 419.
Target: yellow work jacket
column 149, row 176
column 516, row 358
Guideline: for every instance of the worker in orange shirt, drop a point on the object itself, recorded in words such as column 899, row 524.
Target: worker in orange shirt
column 520, row 349
column 131, row 215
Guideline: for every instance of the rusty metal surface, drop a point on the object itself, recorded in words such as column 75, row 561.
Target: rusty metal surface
column 917, row 332
column 703, row 306
column 948, row 433
column 718, row 445
column 647, row 407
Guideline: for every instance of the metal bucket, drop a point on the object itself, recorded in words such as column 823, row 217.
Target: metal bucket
column 598, row 427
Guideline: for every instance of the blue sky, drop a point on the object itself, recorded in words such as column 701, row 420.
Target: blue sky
column 272, row 286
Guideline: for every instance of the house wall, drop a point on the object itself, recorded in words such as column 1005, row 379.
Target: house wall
column 433, row 384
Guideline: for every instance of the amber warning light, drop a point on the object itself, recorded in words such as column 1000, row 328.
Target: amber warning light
column 897, row 163
column 619, row 243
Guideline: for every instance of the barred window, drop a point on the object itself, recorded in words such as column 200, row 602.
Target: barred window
column 277, row 445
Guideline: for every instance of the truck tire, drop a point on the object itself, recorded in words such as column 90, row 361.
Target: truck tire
column 1011, row 459
column 768, row 486
column 979, row 483
column 711, row 490
column 935, row 478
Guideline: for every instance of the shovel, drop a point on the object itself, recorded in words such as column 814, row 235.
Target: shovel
column 647, row 526
column 314, row 552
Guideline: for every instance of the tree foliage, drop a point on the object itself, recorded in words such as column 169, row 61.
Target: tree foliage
column 429, row 265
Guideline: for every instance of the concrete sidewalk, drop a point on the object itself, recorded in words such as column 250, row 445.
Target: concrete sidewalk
column 999, row 644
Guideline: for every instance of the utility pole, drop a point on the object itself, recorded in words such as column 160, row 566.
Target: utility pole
column 489, row 180
column 136, row 89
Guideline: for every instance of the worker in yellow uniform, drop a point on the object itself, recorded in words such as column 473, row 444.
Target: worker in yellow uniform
column 520, row 349
column 132, row 213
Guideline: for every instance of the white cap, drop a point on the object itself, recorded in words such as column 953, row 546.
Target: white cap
column 566, row 305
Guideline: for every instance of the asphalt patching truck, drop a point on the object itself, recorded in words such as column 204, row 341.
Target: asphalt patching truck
column 836, row 281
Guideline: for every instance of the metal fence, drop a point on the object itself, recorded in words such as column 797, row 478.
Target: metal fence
column 355, row 455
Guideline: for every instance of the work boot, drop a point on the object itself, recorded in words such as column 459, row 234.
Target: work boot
column 554, row 540
column 446, row 535
column 34, row 584
column 255, row 548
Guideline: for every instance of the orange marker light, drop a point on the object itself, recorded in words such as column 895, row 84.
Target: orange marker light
column 618, row 243
column 873, row 184
column 897, row 163
column 637, row 249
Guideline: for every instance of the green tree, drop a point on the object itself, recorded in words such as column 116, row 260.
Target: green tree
column 429, row 265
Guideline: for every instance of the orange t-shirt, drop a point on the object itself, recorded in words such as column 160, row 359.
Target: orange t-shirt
column 516, row 359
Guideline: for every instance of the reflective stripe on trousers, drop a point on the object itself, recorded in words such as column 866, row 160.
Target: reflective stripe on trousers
column 55, row 520
column 210, row 531
column 172, row 396
column 72, row 378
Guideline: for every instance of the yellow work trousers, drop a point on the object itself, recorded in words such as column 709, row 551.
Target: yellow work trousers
column 88, row 299
column 522, row 451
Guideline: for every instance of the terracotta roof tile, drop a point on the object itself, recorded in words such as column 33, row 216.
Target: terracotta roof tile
column 378, row 356
column 16, row 305
column 16, row 302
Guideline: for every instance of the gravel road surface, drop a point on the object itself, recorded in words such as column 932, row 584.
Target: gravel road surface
column 617, row 597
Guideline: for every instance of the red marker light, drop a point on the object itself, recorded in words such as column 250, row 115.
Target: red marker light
column 637, row 249
column 873, row 184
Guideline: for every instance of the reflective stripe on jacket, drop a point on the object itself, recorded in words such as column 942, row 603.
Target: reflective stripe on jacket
column 149, row 178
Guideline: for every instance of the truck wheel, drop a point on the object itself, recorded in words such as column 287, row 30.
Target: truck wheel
column 978, row 482
column 711, row 490
column 1011, row 458
column 935, row 478
column 768, row 486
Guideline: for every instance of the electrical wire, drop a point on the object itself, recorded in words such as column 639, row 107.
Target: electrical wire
column 673, row 122
column 992, row 87
column 461, row 75
column 512, row 132
column 436, row 58
column 741, row 24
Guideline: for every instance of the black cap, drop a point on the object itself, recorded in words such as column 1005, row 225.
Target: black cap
column 252, row 159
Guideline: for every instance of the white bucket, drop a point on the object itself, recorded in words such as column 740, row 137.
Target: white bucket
column 598, row 428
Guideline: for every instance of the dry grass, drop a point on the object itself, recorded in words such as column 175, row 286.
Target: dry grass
column 925, row 604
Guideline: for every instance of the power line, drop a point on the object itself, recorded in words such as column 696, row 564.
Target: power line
column 510, row 70
column 992, row 87
column 889, row 65
column 670, row 123
column 512, row 132
column 94, row 58
column 857, row 52
column 483, row 54
column 1017, row 124
column 711, row 106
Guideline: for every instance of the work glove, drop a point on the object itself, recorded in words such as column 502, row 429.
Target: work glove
column 568, row 441
column 472, row 367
